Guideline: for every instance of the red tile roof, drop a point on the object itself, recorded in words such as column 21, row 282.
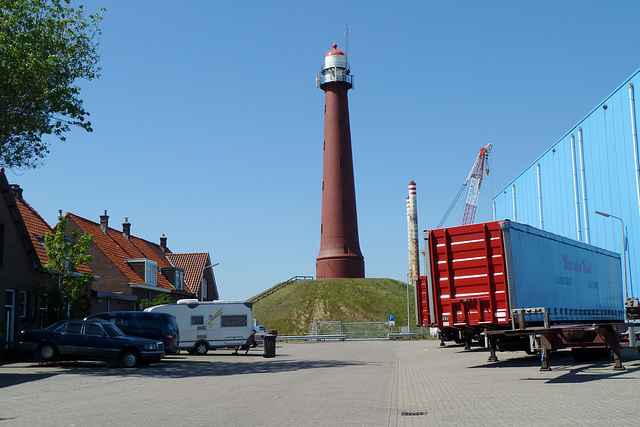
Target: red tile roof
column 193, row 265
column 36, row 227
column 118, row 249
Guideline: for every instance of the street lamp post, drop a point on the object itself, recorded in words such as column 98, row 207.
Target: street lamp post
column 632, row 333
column 202, row 277
column 624, row 250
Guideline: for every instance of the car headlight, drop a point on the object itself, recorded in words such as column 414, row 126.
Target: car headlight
column 152, row 347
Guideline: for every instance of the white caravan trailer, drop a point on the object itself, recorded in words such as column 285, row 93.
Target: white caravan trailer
column 208, row 325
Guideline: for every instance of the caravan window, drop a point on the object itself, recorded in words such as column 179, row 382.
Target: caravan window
column 227, row 321
column 197, row 320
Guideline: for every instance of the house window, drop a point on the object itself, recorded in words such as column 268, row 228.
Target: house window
column 231, row 321
column 151, row 272
column 23, row 304
column 205, row 284
column 1, row 245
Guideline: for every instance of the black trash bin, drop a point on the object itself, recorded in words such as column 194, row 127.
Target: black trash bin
column 269, row 344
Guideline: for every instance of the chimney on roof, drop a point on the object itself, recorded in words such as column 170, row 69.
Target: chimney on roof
column 126, row 228
column 17, row 191
column 104, row 222
column 163, row 243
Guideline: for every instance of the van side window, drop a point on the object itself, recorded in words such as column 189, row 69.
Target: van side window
column 197, row 320
column 228, row 321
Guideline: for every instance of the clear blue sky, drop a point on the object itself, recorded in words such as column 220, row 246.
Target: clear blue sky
column 208, row 126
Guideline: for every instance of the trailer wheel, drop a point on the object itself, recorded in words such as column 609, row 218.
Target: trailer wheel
column 201, row 348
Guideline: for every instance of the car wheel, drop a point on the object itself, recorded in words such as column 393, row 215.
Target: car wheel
column 201, row 348
column 48, row 352
column 129, row 358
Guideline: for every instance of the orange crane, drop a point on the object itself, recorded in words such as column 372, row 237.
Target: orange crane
column 475, row 176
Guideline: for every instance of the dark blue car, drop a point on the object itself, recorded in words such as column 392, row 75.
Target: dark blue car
column 90, row 340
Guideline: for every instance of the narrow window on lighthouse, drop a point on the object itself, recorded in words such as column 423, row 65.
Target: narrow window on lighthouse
column 322, row 185
column 339, row 124
column 344, row 204
column 324, row 145
column 346, row 249
column 325, row 108
column 341, row 163
column 321, row 228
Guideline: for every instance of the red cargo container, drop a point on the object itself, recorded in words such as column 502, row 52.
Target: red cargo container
column 479, row 275
column 467, row 264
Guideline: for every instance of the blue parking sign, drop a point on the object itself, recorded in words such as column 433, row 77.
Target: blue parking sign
column 392, row 318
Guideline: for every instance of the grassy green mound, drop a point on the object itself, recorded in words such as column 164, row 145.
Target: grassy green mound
column 292, row 308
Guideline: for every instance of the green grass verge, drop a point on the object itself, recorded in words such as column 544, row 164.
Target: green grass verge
column 291, row 309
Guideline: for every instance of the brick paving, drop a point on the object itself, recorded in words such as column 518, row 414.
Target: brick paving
column 460, row 388
column 367, row 383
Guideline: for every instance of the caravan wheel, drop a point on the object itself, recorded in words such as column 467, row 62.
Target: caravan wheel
column 201, row 348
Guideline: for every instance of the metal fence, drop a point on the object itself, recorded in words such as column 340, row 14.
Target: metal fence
column 352, row 330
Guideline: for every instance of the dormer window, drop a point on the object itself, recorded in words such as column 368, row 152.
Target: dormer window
column 179, row 284
column 151, row 272
column 145, row 268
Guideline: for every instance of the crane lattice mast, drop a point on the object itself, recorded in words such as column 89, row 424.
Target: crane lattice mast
column 476, row 175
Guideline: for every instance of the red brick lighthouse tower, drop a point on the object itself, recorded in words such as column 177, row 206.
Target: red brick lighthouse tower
column 340, row 254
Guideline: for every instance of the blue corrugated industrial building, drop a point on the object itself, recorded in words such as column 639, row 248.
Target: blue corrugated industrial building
column 593, row 167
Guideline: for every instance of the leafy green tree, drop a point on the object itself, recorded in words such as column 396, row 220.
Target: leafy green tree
column 45, row 47
column 158, row 300
column 69, row 297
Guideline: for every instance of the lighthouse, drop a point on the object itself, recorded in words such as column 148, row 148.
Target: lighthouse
column 340, row 254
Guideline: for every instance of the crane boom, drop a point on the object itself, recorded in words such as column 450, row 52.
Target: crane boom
column 475, row 176
column 477, row 173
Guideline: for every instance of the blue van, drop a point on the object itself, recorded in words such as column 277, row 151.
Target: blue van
column 157, row 326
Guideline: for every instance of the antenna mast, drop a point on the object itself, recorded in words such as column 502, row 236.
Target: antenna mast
column 346, row 35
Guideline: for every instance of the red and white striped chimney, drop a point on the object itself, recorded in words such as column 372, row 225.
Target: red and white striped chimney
column 412, row 227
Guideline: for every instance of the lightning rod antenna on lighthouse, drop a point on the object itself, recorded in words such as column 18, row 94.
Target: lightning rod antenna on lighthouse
column 346, row 42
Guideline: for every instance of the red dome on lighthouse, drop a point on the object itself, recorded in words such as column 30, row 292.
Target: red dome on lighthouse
column 336, row 51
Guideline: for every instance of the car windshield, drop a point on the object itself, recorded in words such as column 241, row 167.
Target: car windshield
column 112, row 330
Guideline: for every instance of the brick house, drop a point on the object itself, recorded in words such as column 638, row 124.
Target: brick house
column 22, row 260
column 132, row 269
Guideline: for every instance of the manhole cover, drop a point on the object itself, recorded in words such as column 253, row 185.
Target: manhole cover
column 413, row 413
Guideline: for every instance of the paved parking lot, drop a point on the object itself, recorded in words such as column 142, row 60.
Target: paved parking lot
column 368, row 383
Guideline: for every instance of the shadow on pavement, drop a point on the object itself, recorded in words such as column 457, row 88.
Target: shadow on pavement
column 572, row 372
column 179, row 366
column 7, row 380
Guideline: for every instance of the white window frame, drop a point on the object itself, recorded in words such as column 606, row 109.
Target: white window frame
column 24, row 298
column 150, row 272
column 179, row 279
